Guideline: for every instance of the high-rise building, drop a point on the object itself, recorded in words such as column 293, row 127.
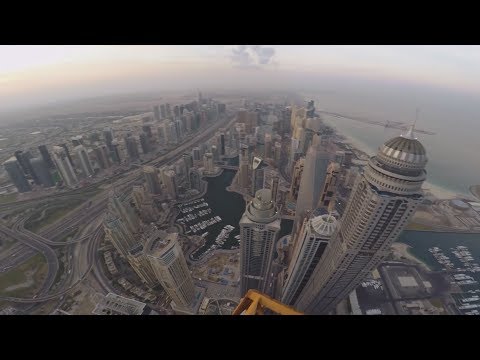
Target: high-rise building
column 156, row 113
column 222, row 144
column 208, row 163
column 145, row 143
column 296, row 178
column 168, row 111
column 67, row 152
column 170, row 183
column 311, row 185
column 23, row 158
column 259, row 229
column 274, row 187
column 132, row 147
column 102, row 160
column 144, row 204
column 170, row 267
column 142, row 266
column 118, row 233
column 64, row 166
column 147, row 129
column 309, row 247
column 243, row 167
column 194, row 179
column 196, row 153
column 268, row 146
column 118, row 204
column 163, row 111
column 40, row 169
column 215, row 153
column 84, row 160
column 46, row 156
column 115, row 152
column 138, row 194
column 277, row 154
column 16, row 175
column 258, row 174
column 382, row 202
column 310, row 111
column 151, row 177
column 188, row 162
column 347, row 160
column 330, row 187
column 77, row 140
column 162, row 138
column 179, row 129
column 350, row 177
column 108, row 136
column 172, row 133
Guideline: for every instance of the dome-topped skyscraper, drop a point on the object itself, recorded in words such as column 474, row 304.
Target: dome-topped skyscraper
column 259, row 229
column 383, row 200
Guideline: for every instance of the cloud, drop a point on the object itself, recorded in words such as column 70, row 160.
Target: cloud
column 252, row 56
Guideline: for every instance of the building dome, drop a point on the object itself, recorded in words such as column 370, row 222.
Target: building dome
column 405, row 148
column 324, row 225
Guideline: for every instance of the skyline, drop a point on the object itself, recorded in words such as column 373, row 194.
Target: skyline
column 41, row 74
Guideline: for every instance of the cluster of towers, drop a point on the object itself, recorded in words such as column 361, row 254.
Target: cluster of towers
column 155, row 255
column 329, row 256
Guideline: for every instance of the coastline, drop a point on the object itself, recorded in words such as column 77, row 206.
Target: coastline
column 437, row 191
column 403, row 250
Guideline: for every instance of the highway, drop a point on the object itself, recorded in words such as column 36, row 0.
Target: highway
column 85, row 214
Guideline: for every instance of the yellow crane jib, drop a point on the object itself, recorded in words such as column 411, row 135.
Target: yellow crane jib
column 255, row 303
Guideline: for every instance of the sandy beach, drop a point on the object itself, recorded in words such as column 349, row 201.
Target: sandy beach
column 437, row 191
column 400, row 249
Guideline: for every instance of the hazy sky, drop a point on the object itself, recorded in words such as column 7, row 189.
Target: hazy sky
column 31, row 75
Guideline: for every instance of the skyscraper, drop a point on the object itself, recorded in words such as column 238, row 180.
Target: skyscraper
column 108, row 136
column 170, row 183
column 115, row 152
column 84, row 160
column 222, row 144
column 196, row 153
column 243, row 167
column 151, row 177
column 208, row 163
column 296, row 178
column 119, row 205
column 67, row 152
column 119, row 234
column 257, row 175
column 259, row 229
column 145, row 143
column 188, row 162
column 156, row 113
column 268, row 146
column 215, row 153
column 330, row 187
column 132, row 147
column 101, row 158
column 383, row 200
column 169, row 265
column 46, row 156
column 142, row 266
column 40, row 169
column 163, row 111
column 23, row 158
column 16, row 175
column 277, row 155
column 274, row 187
column 64, row 166
column 194, row 179
column 147, row 129
column 309, row 247
column 313, row 178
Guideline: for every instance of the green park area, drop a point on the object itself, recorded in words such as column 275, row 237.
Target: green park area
column 25, row 279
column 8, row 198
column 51, row 214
